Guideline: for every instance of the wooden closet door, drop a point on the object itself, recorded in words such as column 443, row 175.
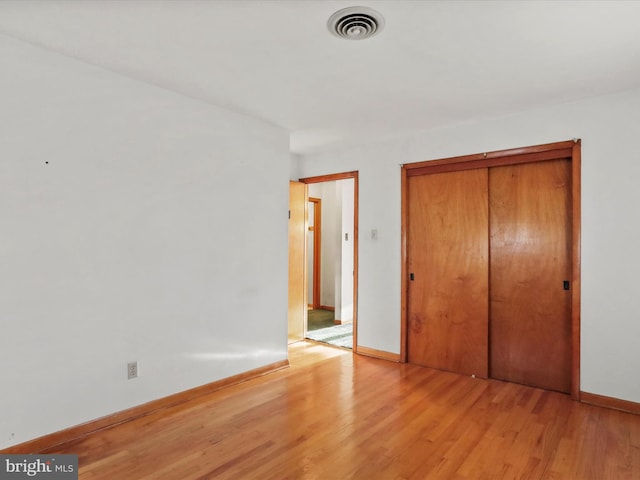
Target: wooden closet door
column 447, row 256
column 530, row 227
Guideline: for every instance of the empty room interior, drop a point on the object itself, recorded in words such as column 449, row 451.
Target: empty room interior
column 166, row 167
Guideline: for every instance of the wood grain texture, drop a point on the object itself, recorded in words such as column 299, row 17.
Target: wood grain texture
column 442, row 166
column 48, row 442
column 530, row 225
column 404, row 268
column 297, row 313
column 576, row 243
column 448, row 256
column 558, row 150
column 337, row 415
column 509, row 156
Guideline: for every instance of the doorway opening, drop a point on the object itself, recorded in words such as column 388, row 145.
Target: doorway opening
column 332, row 253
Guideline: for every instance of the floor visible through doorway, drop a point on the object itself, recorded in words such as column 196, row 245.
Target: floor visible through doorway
column 319, row 318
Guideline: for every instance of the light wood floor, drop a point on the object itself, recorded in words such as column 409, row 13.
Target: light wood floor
column 333, row 415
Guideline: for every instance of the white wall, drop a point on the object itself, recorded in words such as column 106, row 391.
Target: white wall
column 346, row 267
column 294, row 164
column 310, row 246
column 330, row 239
column 140, row 239
column 337, row 253
column 609, row 127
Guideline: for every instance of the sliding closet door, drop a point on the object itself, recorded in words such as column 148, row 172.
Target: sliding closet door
column 530, row 245
column 447, row 257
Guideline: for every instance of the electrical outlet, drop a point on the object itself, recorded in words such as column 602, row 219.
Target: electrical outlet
column 132, row 370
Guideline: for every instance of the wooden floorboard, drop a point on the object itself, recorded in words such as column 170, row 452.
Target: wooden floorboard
column 333, row 415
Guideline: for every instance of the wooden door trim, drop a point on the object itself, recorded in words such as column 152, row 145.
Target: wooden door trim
column 346, row 176
column 404, row 268
column 549, row 151
column 576, row 215
column 317, row 249
column 567, row 149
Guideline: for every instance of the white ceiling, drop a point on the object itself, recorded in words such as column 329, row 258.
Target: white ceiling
column 435, row 63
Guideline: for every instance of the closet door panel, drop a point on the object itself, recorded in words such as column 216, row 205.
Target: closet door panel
column 447, row 254
column 530, row 248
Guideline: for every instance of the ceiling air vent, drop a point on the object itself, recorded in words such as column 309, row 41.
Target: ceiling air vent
column 355, row 23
